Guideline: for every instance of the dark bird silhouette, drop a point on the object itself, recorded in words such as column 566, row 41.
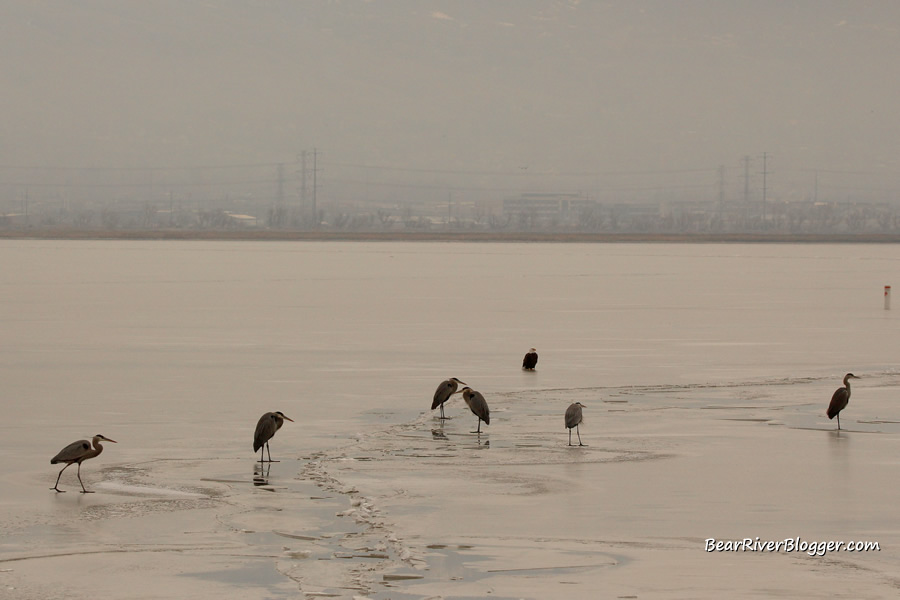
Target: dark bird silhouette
column 574, row 419
column 478, row 405
column 840, row 399
column 444, row 392
column 530, row 360
column 268, row 424
column 77, row 453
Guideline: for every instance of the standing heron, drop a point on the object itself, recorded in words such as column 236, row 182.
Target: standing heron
column 444, row 392
column 478, row 405
column 530, row 360
column 77, row 453
column 574, row 419
column 268, row 424
column 840, row 399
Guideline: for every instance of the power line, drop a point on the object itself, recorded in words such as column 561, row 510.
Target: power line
column 520, row 172
column 433, row 186
column 843, row 172
column 148, row 184
column 139, row 169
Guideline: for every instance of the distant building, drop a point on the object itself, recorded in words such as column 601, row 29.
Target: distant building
column 548, row 207
column 244, row 220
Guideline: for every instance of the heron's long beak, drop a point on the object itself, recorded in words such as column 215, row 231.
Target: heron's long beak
column 288, row 418
column 109, row 440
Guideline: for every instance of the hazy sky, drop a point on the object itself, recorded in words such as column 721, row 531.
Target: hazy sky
column 480, row 85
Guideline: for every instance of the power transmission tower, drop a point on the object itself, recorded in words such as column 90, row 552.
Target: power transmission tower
column 816, row 188
column 746, row 180
column 315, row 187
column 303, row 179
column 721, row 186
column 765, row 173
column 449, row 208
column 280, row 194
column 304, row 186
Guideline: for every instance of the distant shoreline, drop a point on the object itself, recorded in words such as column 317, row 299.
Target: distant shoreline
column 442, row 236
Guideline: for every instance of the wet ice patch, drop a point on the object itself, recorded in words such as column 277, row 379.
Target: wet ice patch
column 144, row 490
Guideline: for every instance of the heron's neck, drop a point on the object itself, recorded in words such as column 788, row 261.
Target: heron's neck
column 847, row 384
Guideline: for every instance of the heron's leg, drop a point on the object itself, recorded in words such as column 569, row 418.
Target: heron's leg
column 56, row 487
column 269, row 450
column 83, row 491
column 570, row 436
column 839, row 420
column 442, row 410
column 479, row 426
column 579, row 435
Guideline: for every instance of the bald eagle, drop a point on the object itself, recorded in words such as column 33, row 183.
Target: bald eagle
column 530, row 360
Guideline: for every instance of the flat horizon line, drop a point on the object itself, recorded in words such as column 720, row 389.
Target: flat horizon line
column 441, row 236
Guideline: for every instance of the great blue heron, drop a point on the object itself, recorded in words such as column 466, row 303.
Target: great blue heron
column 574, row 419
column 268, row 424
column 77, row 453
column 444, row 391
column 530, row 360
column 478, row 405
column 840, row 399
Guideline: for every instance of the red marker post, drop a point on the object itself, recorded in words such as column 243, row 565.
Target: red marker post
column 887, row 297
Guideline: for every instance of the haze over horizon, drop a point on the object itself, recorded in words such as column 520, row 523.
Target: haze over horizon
column 583, row 92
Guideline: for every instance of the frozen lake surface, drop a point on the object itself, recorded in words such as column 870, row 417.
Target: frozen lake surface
column 705, row 371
